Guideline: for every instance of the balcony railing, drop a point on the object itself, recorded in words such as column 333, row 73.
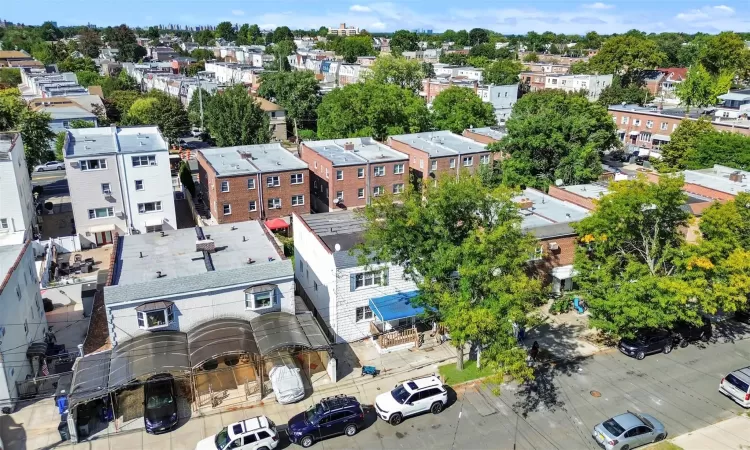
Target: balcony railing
column 387, row 339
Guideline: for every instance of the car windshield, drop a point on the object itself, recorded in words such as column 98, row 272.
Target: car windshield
column 613, row 427
column 158, row 401
column 736, row 382
column 400, row 394
column 222, row 439
column 310, row 413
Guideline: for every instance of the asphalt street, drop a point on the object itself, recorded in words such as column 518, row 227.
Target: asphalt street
column 54, row 182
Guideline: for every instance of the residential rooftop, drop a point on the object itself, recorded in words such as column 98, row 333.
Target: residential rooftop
column 677, row 112
column 363, row 150
column 251, row 159
column 340, row 232
column 496, row 133
column 590, row 190
column 71, row 112
column 546, row 210
column 8, row 256
column 441, row 143
column 84, row 142
column 717, row 178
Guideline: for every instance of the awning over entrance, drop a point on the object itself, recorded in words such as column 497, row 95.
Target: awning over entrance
column 661, row 137
column 153, row 222
column 395, row 306
column 276, row 224
column 220, row 337
column 102, row 228
column 564, row 272
column 278, row 330
column 148, row 354
column 635, row 133
column 90, row 378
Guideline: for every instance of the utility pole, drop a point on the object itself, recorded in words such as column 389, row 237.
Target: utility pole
column 200, row 100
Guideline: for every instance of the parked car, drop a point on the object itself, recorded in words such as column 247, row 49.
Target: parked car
column 52, row 165
column 287, row 384
column 196, row 132
column 250, row 434
column 160, row 403
column 629, row 430
column 742, row 315
column 736, row 386
column 686, row 332
column 410, row 398
column 332, row 416
column 647, row 342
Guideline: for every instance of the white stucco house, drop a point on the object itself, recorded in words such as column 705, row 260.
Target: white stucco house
column 17, row 212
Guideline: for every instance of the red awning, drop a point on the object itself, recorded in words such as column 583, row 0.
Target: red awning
column 276, row 224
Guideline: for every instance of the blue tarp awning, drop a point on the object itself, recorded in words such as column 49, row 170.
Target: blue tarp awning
column 395, row 306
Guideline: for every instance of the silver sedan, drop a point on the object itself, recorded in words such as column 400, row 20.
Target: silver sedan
column 629, row 430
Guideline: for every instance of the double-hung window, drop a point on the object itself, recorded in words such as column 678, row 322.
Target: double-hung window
column 484, row 159
column 225, row 186
column 250, row 183
column 339, row 175
column 360, row 173
column 149, row 207
column 298, row 200
column 296, row 178
column 274, row 203
column 93, row 164
column 398, row 169
column 468, row 161
column 363, row 313
column 273, row 181
column 377, row 191
column 144, row 160
column 372, row 278
column 106, row 189
column 379, row 171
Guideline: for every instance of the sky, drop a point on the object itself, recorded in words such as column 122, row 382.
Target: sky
column 504, row 16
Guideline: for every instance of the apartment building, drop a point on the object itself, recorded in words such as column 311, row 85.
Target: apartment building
column 252, row 182
column 348, row 173
column 593, row 85
column 17, row 211
column 435, row 153
column 343, row 30
column 120, row 182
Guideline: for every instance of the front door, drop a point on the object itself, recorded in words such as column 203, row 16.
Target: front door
column 104, row 238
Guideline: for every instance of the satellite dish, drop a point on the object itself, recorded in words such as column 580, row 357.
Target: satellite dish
column 558, row 182
column 337, row 247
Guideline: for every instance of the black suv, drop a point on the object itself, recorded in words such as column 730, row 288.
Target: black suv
column 647, row 342
column 332, row 416
column 159, row 403
column 686, row 332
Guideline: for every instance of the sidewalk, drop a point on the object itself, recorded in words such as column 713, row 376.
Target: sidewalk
column 731, row 434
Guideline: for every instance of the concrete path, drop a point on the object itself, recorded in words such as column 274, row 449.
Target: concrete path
column 732, row 434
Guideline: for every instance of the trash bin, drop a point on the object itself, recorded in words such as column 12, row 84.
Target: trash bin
column 63, row 429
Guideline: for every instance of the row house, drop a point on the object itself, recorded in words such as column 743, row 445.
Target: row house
column 18, row 58
column 436, row 153
column 351, row 73
column 348, row 173
column 431, row 87
column 593, row 85
column 541, row 67
column 252, row 182
column 485, row 135
column 17, row 211
column 163, row 53
column 673, row 76
column 533, row 81
column 501, row 97
column 235, row 73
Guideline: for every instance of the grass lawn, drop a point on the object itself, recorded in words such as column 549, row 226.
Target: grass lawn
column 451, row 375
column 664, row 445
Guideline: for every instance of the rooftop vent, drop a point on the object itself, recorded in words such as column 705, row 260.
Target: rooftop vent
column 349, row 146
column 160, row 275
column 205, row 245
column 525, row 203
column 736, row 176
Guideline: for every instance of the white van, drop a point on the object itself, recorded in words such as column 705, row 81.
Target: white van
column 736, row 386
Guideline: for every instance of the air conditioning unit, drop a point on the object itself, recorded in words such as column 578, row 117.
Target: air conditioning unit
column 553, row 246
column 339, row 201
column 107, row 192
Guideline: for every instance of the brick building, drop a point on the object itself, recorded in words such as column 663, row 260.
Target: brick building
column 534, row 81
column 253, row 182
column 435, row 153
column 485, row 135
column 347, row 173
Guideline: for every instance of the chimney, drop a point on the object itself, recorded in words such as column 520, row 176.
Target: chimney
column 525, row 203
column 205, row 245
column 349, row 146
column 735, row 176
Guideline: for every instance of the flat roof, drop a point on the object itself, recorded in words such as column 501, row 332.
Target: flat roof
column 365, row 150
column 717, row 178
column 547, row 210
column 441, row 143
column 67, row 112
column 675, row 111
column 491, row 132
column 84, row 142
column 590, row 190
column 345, row 228
column 175, row 254
column 251, row 159
column 8, row 256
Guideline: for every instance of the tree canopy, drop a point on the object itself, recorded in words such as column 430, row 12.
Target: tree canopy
column 683, row 142
column 233, row 117
column 297, row 92
column 162, row 110
column 404, row 41
column 404, row 73
column 33, row 126
column 627, row 55
column 617, row 93
column 123, row 39
column 225, row 30
column 701, row 89
column 502, row 72
column 459, row 108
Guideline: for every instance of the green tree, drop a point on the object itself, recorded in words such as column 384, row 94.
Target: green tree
column 478, row 36
column 89, row 43
column 449, row 36
column 186, row 178
column 670, row 44
column 243, row 35
column 683, row 142
column 580, row 67
column 297, row 92
column 283, row 33
column 462, row 38
column 10, row 78
column 153, row 34
column 79, row 123
column 627, row 55
column 371, row 109
column 60, row 145
column 428, row 69
column 531, row 57
column 456, row 59
column 193, row 69
column 280, row 51
column 235, row 118
column 553, row 135
column 254, row 36
column 118, row 104
column 36, row 134
column 725, row 148
column 396, row 70
column 616, row 94
column 354, row 46
column 459, row 226
column 88, row 78
column 201, row 54
column 479, row 62
column 503, row 72
column 697, row 89
column 123, row 39
column 323, row 31
column 225, row 30
column 71, row 64
column 725, row 52
column 49, row 32
column 162, row 110
column 486, row 50
column 404, row 41
column 194, row 108
column 458, row 108
column 204, row 37
column 11, row 109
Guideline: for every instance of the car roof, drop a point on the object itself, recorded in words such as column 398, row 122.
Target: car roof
column 337, row 402
column 628, row 420
column 246, row 426
column 422, row 383
column 743, row 374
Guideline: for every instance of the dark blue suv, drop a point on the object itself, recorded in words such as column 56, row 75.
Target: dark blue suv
column 332, row 416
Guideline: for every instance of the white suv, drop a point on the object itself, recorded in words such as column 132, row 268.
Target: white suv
column 258, row 433
column 412, row 397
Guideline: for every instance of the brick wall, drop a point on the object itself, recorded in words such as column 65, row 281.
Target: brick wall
column 478, row 137
column 562, row 194
column 563, row 256
column 694, row 188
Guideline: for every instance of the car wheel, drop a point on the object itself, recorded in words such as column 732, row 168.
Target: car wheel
column 659, row 437
column 667, row 348
column 60, row 168
column 350, row 430
column 704, row 337
column 395, row 419
column 436, row 408
column 263, row 448
column 306, row 441
column 640, row 355
column 41, row 169
column 625, row 447
column 683, row 343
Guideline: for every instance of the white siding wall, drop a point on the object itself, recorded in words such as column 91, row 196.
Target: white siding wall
column 14, row 366
column 157, row 184
column 16, row 199
column 191, row 310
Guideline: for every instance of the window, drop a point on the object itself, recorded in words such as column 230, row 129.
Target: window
column 663, row 126
column 144, row 160
column 373, row 278
column 273, row 181
column 363, row 313
column 4, row 224
column 26, row 326
column 298, row 200
column 645, row 137
column 339, row 174
column 227, row 209
column 149, row 207
column 250, row 183
column 468, row 161
column 433, row 166
column 360, row 173
column 138, row 185
column 18, row 292
column 398, row 169
column 93, row 164
column 100, row 213
column 625, row 120
column 361, row 193
column 274, row 203
column 260, row 300
column 316, row 164
column 106, row 189
column 453, row 163
column 296, row 178
column 252, row 205
column 225, row 186
column 649, row 124
column 377, row 190
column 153, row 228
column 379, row 171
column 249, row 439
column 315, row 285
column 340, row 195
column 637, row 122
column 327, row 172
column 421, row 163
column 398, row 188
column 484, row 159
column 158, row 318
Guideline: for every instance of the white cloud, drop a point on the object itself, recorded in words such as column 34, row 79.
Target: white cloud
column 238, row 12
column 598, row 5
column 360, row 8
column 377, row 26
column 705, row 13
